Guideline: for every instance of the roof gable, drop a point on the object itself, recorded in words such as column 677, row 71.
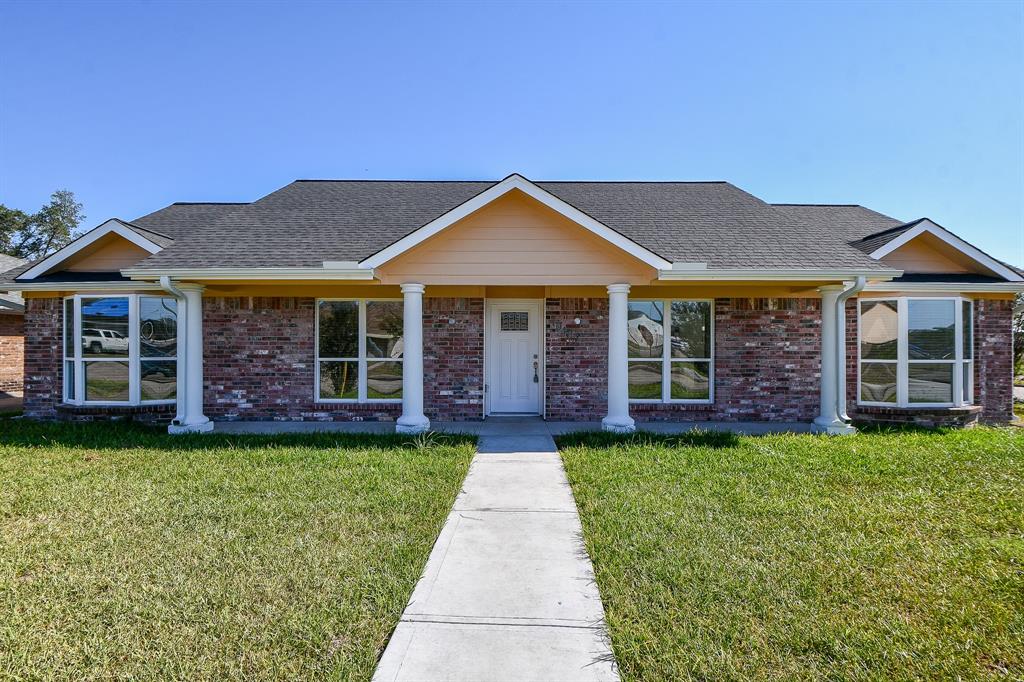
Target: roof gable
column 98, row 239
column 518, row 183
column 925, row 246
column 515, row 240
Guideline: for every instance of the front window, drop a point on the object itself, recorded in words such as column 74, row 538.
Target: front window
column 120, row 349
column 916, row 352
column 359, row 351
column 679, row 368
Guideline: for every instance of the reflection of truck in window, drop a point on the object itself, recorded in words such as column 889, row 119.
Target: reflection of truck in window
column 97, row 341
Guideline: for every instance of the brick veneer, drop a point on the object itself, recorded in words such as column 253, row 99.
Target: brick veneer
column 260, row 354
column 12, row 352
column 576, row 362
column 453, row 358
column 767, row 362
column 993, row 362
column 43, row 357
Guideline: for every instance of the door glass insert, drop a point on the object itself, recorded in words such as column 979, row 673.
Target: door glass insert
column 515, row 322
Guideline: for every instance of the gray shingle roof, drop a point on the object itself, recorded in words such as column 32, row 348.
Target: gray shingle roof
column 310, row 221
column 11, row 303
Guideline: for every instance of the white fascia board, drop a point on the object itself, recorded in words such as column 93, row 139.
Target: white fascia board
column 79, row 286
column 92, row 236
column 952, row 240
column 799, row 274
column 516, row 181
column 356, row 273
column 949, row 287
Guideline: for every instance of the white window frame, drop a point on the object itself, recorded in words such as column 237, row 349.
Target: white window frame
column 133, row 359
column 903, row 360
column 667, row 359
column 360, row 361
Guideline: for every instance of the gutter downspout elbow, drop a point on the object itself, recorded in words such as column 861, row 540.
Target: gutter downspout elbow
column 844, row 296
column 168, row 286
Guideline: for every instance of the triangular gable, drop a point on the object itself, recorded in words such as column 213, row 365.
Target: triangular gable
column 93, row 240
column 928, row 247
column 515, row 240
column 511, row 183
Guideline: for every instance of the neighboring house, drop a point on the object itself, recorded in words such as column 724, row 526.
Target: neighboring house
column 612, row 301
column 12, row 333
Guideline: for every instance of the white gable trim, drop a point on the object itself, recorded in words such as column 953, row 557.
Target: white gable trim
column 92, row 236
column 954, row 241
column 515, row 181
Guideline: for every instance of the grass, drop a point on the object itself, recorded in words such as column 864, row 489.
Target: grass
column 126, row 553
column 881, row 556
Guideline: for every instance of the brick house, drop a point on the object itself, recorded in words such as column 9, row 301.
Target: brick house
column 12, row 334
column 622, row 302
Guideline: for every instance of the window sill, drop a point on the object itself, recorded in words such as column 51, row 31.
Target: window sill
column 863, row 408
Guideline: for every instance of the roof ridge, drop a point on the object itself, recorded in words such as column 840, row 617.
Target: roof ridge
column 209, row 203
column 546, row 182
column 818, row 204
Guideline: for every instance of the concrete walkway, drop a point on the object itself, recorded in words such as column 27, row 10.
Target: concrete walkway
column 508, row 592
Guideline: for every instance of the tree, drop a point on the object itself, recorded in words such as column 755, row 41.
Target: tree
column 40, row 234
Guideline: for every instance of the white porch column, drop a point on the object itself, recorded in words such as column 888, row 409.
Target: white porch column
column 828, row 420
column 412, row 419
column 618, row 419
column 190, row 376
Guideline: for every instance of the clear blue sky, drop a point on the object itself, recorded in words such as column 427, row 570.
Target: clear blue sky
column 913, row 109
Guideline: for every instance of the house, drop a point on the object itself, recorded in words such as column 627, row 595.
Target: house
column 414, row 301
column 12, row 334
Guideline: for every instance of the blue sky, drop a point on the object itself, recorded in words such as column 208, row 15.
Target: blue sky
column 913, row 109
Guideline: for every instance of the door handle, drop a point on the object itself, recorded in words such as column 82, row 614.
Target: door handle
column 536, row 379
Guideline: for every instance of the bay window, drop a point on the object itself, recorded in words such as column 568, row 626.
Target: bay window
column 120, row 350
column 679, row 368
column 916, row 352
column 359, row 351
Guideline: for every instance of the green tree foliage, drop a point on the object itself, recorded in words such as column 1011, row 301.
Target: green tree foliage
column 37, row 235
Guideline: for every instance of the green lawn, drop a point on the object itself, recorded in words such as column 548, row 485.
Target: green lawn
column 879, row 556
column 130, row 554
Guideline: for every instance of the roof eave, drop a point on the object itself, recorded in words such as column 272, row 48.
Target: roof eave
column 775, row 275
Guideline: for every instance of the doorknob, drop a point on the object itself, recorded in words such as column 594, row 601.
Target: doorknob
column 536, row 379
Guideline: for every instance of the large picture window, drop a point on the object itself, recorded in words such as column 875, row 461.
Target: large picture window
column 120, row 349
column 916, row 352
column 359, row 351
column 679, row 368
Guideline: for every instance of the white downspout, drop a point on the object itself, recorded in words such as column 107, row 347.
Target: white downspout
column 858, row 286
column 179, row 295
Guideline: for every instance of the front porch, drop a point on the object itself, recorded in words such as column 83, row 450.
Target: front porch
column 508, row 426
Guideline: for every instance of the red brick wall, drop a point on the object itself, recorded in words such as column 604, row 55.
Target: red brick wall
column 993, row 363
column 453, row 358
column 767, row 362
column 12, row 352
column 576, row 363
column 260, row 354
column 43, row 357
column 993, row 359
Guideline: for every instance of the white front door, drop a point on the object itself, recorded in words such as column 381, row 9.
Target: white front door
column 514, row 365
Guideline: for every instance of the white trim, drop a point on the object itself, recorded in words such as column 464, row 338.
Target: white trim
column 82, row 287
column 789, row 274
column 134, row 358
column 903, row 361
column 360, row 359
column 536, row 305
column 515, row 182
column 321, row 273
column 952, row 240
column 113, row 225
column 666, row 358
column 948, row 287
